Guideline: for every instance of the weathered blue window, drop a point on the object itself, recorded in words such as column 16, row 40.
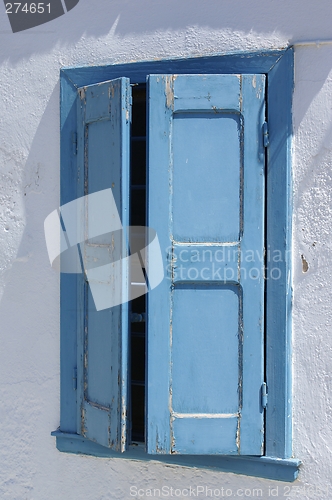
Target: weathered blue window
column 206, row 321
column 217, row 330
column 102, row 356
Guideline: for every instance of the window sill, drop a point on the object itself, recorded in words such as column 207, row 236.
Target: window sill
column 280, row 469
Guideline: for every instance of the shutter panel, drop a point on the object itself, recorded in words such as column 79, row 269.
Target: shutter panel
column 205, row 321
column 103, row 155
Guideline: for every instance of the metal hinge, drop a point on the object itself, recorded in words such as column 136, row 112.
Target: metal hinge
column 264, row 395
column 74, row 143
column 75, row 379
column 265, row 134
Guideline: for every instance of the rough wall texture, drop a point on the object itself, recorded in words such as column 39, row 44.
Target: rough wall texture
column 106, row 31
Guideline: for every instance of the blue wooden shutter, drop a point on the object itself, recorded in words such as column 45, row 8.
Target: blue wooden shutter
column 205, row 320
column 103, row 156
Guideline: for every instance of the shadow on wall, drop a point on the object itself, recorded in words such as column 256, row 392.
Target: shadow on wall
column 312, row 209
column 30, row 285
column 29, row 316
column 312, row 65
column 30, row 276
column 289, row 20
column 29, row 308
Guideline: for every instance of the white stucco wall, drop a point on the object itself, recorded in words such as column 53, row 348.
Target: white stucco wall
column 106, row 31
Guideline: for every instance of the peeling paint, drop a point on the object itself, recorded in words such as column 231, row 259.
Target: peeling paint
column 86, row 163
column 83, row 428
column 99, row 406
column 173, row 450
column 123, row 424
column 111, row 91
column 159, row 448
column 169, row 90
column 238, row 435
column 204, row 415
column 240, row 97
column 81, row 93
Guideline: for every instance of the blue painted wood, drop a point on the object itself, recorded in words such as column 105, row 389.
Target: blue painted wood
column 194, row 220
column 279, row 270
column 103, row 117
column 68, row 282
column 216, row 263
column 204, row 436
column 253, row 110
column 279, row 68
column 245, row 62
column 205, row 336
column 158, row 435
column 205, row 362
column 269, row 468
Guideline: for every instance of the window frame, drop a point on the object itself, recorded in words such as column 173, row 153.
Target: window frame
column 278, row 66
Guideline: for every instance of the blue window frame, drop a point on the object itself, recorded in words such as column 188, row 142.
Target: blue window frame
column 274, row 76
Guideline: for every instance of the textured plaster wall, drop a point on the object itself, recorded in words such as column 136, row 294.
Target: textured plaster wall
column 105, row 31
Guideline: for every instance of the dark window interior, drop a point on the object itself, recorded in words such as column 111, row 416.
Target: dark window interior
column 137, row 307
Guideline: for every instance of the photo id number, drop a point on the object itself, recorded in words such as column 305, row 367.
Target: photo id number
column 33, row 8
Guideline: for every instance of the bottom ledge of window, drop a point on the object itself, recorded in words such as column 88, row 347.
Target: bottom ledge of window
column 281, row 469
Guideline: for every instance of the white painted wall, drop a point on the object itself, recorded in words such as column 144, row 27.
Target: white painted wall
column 105, row 31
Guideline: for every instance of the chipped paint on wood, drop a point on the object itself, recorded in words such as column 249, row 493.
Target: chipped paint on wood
column 101, row 121
column 238, row 435
column 99, row 406
column 160, row 445
column 83, row 428
column 240, row 349
column 169, row 90
column 124, row 417
column 85, row 358
column 204, row 415
column 190, row 409
column 111, row 92
column 81, row 93
column 240, row 96
column 173, row 445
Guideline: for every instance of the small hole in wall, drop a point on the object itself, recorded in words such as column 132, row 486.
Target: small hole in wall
column 305, row 265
